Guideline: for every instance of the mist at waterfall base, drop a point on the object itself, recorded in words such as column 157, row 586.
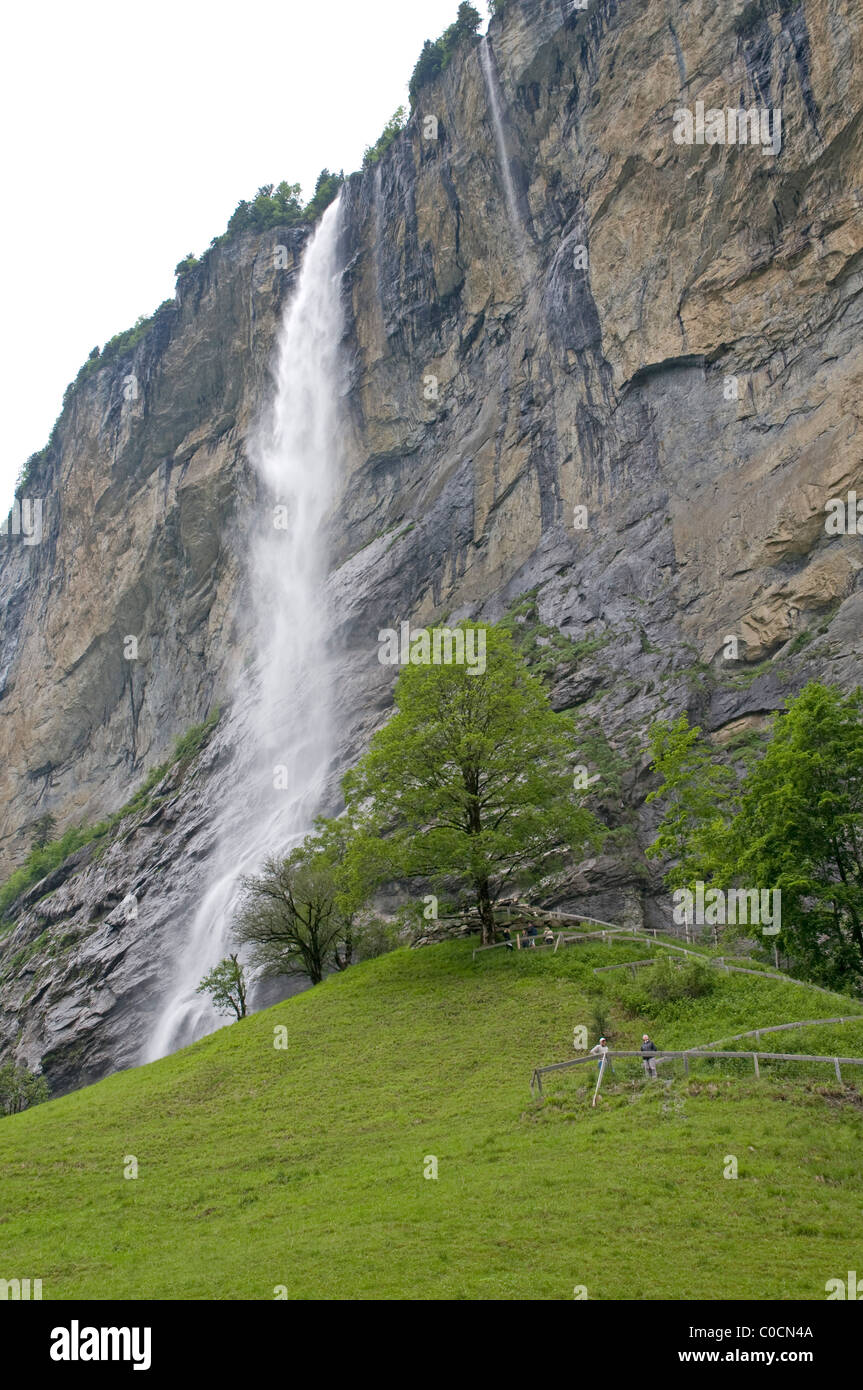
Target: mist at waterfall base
column 280, row 720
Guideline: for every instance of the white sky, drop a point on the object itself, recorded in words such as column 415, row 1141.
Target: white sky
column 131, row 132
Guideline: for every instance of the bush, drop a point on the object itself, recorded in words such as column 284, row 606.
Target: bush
column 667, row 981
column 395, row 124
column 435, row 57
column 326, row 190
column 20, row 1088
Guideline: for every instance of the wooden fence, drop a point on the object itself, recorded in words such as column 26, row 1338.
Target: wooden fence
column 693, row 1055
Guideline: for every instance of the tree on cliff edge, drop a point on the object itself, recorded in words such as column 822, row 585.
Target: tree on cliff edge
column 471, row 780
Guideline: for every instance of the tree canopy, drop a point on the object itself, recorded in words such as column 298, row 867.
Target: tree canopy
column 793, row 824
column 470, row 781
column 436, row 55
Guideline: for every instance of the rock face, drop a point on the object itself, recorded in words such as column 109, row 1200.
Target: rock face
column 627, row 377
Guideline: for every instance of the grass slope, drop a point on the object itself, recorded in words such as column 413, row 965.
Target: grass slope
column 304, row 1168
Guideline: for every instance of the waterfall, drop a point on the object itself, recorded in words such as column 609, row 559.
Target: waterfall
column 280, row 723
column 492, row 86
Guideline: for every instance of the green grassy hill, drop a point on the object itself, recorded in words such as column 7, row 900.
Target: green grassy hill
column 261, row 1167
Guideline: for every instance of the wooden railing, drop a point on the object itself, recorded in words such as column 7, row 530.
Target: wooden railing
column 662, row 1054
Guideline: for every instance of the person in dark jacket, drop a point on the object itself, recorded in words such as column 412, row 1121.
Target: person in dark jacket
column 648, row 1046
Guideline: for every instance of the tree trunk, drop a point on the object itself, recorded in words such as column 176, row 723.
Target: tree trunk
column 486, row 911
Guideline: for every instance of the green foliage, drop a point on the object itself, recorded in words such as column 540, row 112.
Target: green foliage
column 544, row 648
column 469, row 781
column 20, row 1088
column 293, row 916
column 600, row 1017
column 30, row 471
column 393, row 127
column 385, row 1058
column 799, row 828
column 794, row 824
column 326, row 191
column 189, row 262
column 43, row 831
column 43, row 859
column 190, row 743
column 695, row 790
column 226, row 986
column 436, row 56
column 800, row 641
column 272, row 206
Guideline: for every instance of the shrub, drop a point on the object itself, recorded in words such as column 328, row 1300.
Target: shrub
column 395, row 124
column 20, row 1088
column 667, row 981
column 435, row 57
column 326, row 189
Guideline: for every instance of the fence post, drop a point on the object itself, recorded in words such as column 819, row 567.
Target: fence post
column 755, row 1060
column 686, row 1066
column 838, row 1072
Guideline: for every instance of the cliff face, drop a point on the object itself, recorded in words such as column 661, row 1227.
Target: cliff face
column 628, row 378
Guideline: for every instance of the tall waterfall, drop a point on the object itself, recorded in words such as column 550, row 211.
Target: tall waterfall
column 280, row 719
column 492, row 86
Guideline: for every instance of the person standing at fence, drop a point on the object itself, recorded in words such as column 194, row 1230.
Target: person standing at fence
column 601, row 1051
column 648, row 1046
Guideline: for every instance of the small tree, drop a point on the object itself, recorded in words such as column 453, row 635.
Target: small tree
column 20, row 1088
column 696, row 792
column 471, row 780
column 226, row 985
column 294, row 918
column 44, row 830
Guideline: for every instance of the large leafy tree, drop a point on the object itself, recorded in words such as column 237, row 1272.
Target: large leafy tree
column 794, row 823
column 800, row 829
column 470, row 780
column 696, row 792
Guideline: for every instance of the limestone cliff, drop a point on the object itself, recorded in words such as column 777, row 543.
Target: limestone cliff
column 628, row 377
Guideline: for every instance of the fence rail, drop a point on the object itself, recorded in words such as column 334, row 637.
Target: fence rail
column 692, row 1055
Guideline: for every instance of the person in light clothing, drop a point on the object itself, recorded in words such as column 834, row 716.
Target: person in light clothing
column 601, row 1051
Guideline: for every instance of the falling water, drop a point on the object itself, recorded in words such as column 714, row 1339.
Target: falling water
column 492, row 87
column 281, row 716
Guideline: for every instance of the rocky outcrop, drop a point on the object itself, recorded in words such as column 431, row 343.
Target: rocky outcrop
column 631, row 386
